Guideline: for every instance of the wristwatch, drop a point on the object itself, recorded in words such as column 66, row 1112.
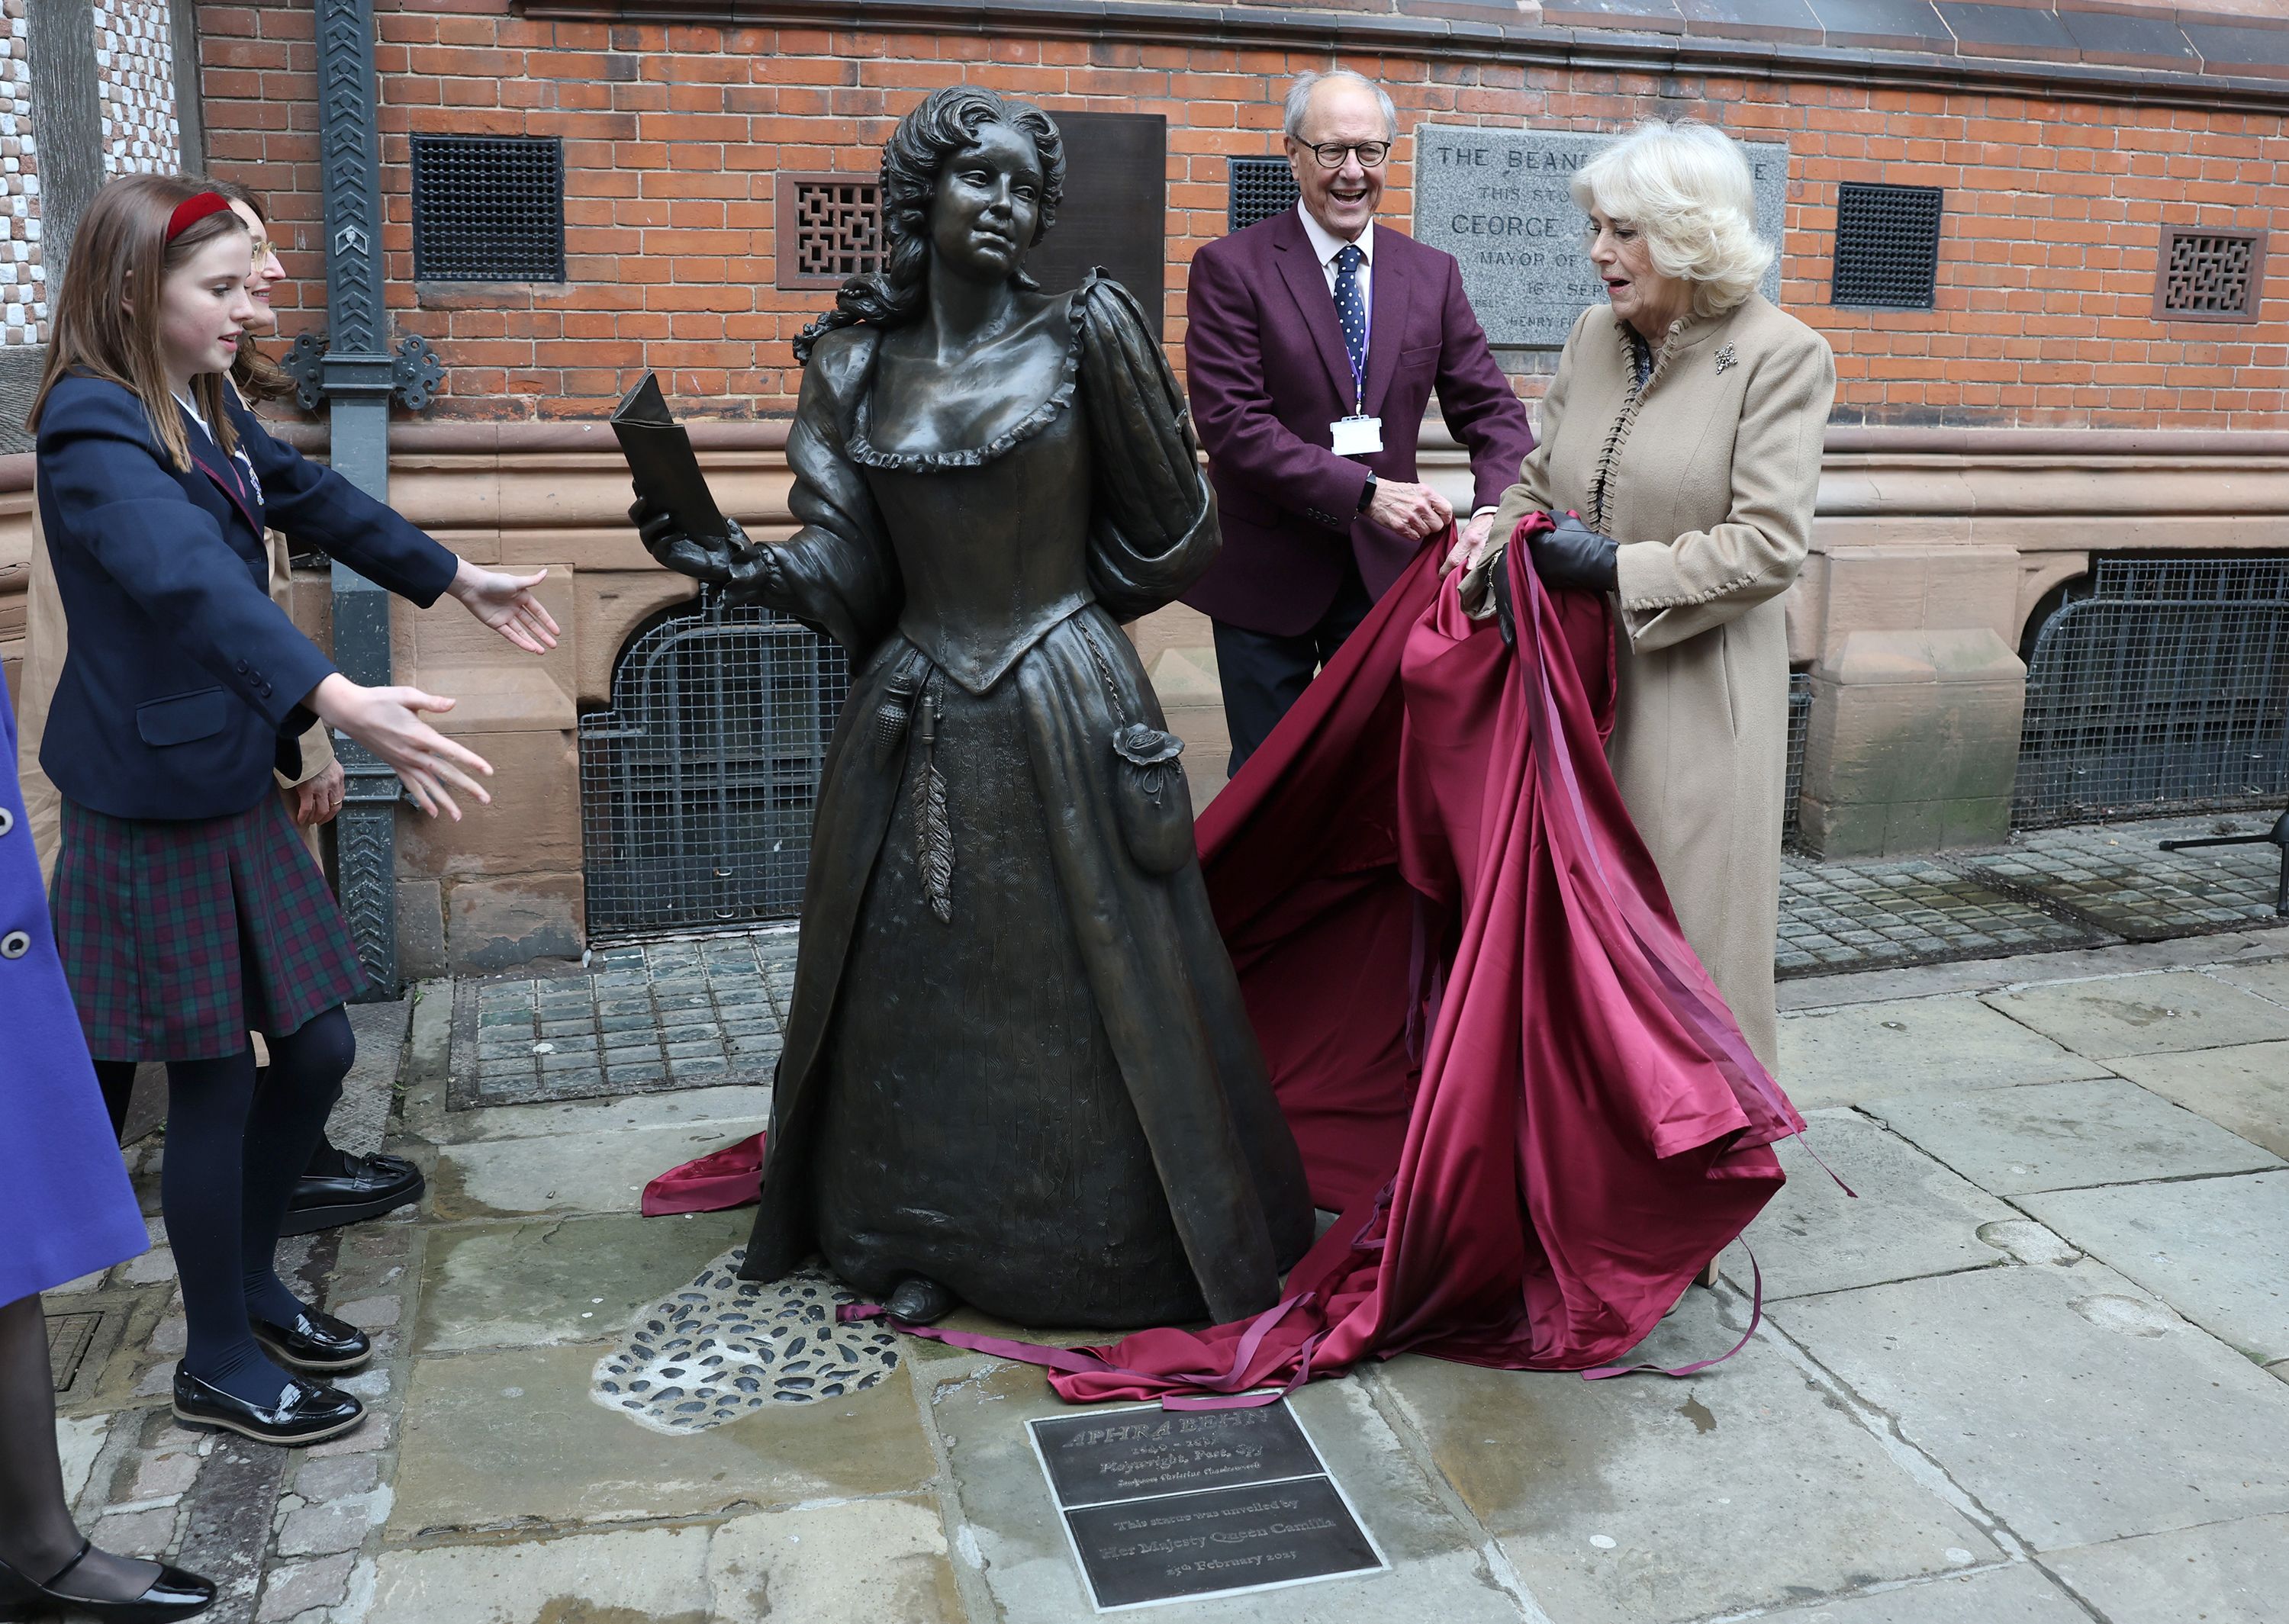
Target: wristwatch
column 1366, row 495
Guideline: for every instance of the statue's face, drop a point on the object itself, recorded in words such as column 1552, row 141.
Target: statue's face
column 988, row 204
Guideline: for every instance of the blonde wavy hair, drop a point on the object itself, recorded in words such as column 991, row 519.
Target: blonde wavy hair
column 1688, row 190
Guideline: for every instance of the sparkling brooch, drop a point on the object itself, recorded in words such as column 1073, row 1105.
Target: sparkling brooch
column 1725, row 357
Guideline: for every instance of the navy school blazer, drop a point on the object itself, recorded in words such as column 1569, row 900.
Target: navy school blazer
column 183, row 679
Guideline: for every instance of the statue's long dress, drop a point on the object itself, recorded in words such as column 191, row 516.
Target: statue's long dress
column 1029, row 1075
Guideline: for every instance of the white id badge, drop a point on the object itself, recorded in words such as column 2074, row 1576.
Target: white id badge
column 1356, row 436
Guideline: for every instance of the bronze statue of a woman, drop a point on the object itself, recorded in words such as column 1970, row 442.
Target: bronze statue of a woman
column 1017, row 1071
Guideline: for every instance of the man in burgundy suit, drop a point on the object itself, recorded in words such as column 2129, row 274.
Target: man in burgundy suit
column 1314, row 342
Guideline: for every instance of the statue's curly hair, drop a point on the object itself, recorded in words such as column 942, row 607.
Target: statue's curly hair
column 947, row 122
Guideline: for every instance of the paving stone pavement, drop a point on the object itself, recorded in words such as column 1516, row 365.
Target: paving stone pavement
column 2036, row 1372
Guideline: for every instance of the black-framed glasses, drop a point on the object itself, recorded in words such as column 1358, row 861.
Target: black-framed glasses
column 1331, row 154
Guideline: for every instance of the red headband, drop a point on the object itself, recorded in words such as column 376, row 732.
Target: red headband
column 191, row 211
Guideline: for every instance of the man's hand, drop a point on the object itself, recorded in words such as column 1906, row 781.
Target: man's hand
column 506, row 603
column 316, row 800
column 1471, row 546
column 1416, row 512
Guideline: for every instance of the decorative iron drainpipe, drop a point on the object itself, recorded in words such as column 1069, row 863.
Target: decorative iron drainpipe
column 358, row 376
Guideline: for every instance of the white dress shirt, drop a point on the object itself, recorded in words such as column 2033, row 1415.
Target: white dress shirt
column 1327, row 245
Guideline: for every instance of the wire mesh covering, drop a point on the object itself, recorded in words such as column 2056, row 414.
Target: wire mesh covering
column 1260, row 188
column 1800, row 723
column 1886, row 246
column 697, row 787
column 2163, row 684
column 488, row 208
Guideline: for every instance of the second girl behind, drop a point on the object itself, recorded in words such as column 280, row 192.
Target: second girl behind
column 187, row 910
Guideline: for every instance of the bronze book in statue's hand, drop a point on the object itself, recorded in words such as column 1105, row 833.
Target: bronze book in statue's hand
column 666, row 473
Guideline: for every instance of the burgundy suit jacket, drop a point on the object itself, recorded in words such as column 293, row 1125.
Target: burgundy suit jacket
column 1265, row 368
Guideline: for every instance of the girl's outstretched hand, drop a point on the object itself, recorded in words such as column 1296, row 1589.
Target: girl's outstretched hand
column 387, row 721
column 506, row 603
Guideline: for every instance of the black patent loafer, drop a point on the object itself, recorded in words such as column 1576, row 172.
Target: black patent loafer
column 305, row 1414
column 173, row 1595
column 314, row 1341
column 366, row 1187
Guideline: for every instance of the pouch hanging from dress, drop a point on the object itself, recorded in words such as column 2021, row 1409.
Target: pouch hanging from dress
column 1150, row 797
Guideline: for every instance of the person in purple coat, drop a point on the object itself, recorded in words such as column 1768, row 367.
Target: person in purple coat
column 1315, row 340
column 65, row 1210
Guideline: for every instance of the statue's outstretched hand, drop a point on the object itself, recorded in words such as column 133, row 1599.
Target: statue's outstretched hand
column 707, row 558
column 747, row 569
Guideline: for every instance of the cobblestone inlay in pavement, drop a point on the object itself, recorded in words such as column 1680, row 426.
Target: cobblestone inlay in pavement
column 2118, row 878
column 2048, row 890
column 723, row 1347
column 1867, row 915
column 692, row 1013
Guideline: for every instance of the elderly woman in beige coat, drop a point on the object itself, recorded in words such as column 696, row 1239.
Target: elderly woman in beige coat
column 1680, row 453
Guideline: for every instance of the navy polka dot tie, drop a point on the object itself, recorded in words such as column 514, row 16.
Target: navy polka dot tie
column 1351, row 310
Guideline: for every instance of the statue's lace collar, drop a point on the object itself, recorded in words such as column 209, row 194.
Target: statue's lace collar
column 859, row 446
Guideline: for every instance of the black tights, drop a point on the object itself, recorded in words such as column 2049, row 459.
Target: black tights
column 233, row 1152
column 37, row 1536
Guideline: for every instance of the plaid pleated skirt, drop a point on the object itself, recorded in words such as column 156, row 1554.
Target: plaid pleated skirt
column 179, row 938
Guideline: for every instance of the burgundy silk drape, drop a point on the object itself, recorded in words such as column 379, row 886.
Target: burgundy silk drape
column 1433, row 835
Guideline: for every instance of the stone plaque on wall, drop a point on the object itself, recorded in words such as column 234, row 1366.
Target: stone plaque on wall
column 1496, row 199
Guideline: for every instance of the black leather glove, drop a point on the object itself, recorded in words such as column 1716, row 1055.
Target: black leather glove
column 1506, row 613
column 1576, row 556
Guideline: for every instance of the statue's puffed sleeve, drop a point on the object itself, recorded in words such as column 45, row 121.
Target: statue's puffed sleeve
column 837, row 572
column 1153, row 528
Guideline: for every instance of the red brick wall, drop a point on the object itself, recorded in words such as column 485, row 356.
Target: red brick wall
column 673, row 135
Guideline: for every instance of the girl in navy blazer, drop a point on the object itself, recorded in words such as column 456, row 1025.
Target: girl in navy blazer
column 186, row 912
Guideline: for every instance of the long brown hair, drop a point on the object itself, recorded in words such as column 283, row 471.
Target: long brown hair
column 258, row 378
column 120, row 253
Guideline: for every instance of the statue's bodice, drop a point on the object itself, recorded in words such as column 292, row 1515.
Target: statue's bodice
column 992, row 541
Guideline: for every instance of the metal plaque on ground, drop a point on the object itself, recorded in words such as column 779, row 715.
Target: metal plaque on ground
column 1171, row 1505
column 1498, row 200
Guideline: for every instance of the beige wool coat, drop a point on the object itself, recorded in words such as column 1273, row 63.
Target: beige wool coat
column 1706, row 475
column 47, row 637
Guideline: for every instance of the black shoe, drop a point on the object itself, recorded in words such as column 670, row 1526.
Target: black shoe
column 365, row 1187
column 305, row 1414
column 173, row 1595
column 314, row 1341
column 919, row 1301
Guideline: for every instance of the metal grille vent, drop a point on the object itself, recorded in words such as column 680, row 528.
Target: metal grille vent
column 830, row 229
column 697, row 786
column 1799, row 723
column 2209, row 275
column 488, row 208
column 2158, row 685
column 1886, row 246
column 1261, row 187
